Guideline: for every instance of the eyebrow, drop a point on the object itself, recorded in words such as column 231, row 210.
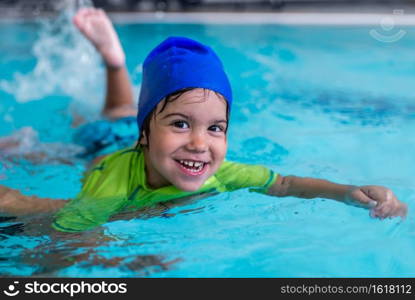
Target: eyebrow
column 175, row 114
column 187, row 117
column 221, row 121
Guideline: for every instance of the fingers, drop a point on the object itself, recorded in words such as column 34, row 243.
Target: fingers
column 387, row 205
column 402, row 211
column 389, row 209
column 381, row 211
column 359, row 198
column 369, row 203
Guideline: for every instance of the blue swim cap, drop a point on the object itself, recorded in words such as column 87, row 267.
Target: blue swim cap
column 179, row 63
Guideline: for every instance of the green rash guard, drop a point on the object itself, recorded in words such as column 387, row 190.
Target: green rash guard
column 118, row 184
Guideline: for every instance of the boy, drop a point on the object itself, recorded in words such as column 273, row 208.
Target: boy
column 183, row 115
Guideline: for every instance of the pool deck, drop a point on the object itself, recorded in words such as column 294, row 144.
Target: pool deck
column 398, row 16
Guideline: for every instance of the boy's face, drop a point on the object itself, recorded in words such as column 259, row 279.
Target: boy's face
column 187, row 141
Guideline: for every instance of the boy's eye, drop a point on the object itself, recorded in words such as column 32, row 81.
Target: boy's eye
column 217, row 128
column 181, row 124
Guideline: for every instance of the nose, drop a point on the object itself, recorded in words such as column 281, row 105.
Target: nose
column 197, row 142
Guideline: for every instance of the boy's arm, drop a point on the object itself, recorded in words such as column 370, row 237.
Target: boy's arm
column 15, row 203
column 382, row 202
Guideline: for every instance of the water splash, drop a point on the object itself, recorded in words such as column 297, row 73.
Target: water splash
column 67, row 64
column 25, row 144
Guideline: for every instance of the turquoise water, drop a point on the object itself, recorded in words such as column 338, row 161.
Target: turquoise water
column 327, row 102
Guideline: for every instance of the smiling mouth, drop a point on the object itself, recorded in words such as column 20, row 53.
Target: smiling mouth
column 192, row 166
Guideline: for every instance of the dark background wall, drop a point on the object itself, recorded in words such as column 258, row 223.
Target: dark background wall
column 34, row 7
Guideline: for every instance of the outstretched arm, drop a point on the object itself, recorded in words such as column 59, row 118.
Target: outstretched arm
column 15, row 203
column 380, row 200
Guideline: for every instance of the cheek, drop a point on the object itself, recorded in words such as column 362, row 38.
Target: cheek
column 165, row 144
column 220, row 148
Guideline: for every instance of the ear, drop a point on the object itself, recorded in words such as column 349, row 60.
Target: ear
column 143, row 140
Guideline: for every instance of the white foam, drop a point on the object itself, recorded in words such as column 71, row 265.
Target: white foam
column 66, row 64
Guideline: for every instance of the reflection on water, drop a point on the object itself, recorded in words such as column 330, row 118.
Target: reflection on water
column 49, row 252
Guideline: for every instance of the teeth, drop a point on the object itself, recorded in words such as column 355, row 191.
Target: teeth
column 193, row 164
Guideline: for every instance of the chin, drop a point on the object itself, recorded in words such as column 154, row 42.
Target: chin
column 189, row 187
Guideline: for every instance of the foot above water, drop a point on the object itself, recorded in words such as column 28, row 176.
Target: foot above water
column 95, row 25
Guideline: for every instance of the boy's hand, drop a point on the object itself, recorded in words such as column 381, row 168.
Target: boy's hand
column 15, row 203
column 380, row 200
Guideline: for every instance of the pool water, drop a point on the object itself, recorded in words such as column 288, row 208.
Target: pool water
column 320, row 101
